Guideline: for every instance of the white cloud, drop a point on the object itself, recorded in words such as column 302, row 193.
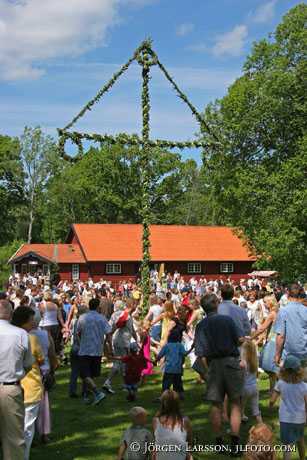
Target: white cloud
column 32, row 31
column 264, row 13
column 184, row 29
column 231, row 43
column 198, row 48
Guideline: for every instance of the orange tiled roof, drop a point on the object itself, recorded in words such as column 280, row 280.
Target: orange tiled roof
column 123, row 242
column 59, row 253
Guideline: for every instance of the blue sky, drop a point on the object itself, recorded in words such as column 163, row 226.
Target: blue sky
column 55, row 55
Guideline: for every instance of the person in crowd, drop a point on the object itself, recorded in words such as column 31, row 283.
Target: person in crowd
column 106, row 304
column 171, row 427
column 32, row 384
column 52, row 319
column 74, row 356
column 169, row 312
column 135, row 363
column 174, row 353
column 136, row 434
column 155, row 310
column 260, row 444
column 267, row 328
column 229, row 308
column 291, row 329
column 121, row 323
column 292, row 390
column 47, row 369
column 216, row 342
column 16, row 361
column 92, row 328
column 145, row 350
column 249, row 362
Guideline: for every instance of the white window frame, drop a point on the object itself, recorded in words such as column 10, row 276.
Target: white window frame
column 75, row 272
column 227, row 267
column 15, row 268
column 113, row 269
column 22, row 269
column 194, row 267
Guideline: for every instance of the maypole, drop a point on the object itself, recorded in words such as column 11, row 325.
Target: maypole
column 146, row 57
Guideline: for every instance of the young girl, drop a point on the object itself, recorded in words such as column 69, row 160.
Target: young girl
column 249, row 361
column 171, row 428
column 293, row 406
column 145, row 349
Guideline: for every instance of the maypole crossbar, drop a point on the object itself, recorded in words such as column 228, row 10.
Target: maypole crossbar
column 146, row 58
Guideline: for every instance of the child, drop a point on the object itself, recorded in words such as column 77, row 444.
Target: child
column 262, row 437
column 249, row 361
column 135, row 363
column 136, row 434
column 292, row 411
column 174, row 354
column 145, row 350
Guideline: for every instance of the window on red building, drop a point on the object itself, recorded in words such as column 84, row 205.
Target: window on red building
column 194, row 267
column 113, row 269
column 226, row 267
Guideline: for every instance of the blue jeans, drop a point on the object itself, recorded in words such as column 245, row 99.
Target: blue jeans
column 75, row 373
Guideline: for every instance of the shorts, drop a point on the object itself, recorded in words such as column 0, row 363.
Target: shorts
column 119, row 350
column 251, row 397
column 155, row 332
column 290, row 433
column 225, row 377
column 90, row 366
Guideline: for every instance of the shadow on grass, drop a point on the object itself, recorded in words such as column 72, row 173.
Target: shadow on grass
column 93, row 432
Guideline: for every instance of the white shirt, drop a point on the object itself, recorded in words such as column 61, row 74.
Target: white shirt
column 292, row 405
column 155, row 311
column 15, row 352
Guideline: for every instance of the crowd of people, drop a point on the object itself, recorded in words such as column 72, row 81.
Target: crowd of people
column 229, row 331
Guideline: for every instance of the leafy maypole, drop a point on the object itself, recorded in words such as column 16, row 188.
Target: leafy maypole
column 145, row 57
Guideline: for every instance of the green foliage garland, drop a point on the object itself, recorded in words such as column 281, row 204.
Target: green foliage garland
column 146, row 58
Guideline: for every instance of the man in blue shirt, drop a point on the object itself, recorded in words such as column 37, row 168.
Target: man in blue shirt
column 238, row 314
column 291, row 329
column 92, row 328
column 217, row 341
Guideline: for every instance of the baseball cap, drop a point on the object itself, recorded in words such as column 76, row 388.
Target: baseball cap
column 292, row 362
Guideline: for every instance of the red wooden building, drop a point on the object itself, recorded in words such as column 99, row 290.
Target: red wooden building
column 114, row 252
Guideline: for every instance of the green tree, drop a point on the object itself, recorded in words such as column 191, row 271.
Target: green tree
column 257, row 180
column 11, row 189
column 41, row 161
column 6, row 251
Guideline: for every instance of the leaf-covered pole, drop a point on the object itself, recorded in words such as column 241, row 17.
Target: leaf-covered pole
column 145, row 177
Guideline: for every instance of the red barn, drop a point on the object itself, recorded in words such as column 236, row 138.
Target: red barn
column 114, row 252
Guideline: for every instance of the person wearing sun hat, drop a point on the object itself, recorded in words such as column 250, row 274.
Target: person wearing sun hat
column 292, row 390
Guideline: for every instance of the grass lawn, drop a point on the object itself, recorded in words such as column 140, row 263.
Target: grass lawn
column 86, row 432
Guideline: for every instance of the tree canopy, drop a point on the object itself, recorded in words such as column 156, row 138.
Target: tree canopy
column 256, row 180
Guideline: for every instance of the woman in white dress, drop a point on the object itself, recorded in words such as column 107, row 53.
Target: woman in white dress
column 172, row 431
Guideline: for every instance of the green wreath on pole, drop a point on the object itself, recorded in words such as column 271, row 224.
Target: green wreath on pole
column 146, row 58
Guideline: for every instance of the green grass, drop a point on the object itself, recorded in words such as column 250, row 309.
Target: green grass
column 85, row 432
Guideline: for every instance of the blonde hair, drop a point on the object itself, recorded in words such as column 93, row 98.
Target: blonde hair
column 135, row 413
column 272, row 302
column 169, row 308
column 292, row 375
column 249, row 354
column 48, row 296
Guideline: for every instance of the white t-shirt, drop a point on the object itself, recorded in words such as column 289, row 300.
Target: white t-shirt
column 155, row 311
column 292, row 405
